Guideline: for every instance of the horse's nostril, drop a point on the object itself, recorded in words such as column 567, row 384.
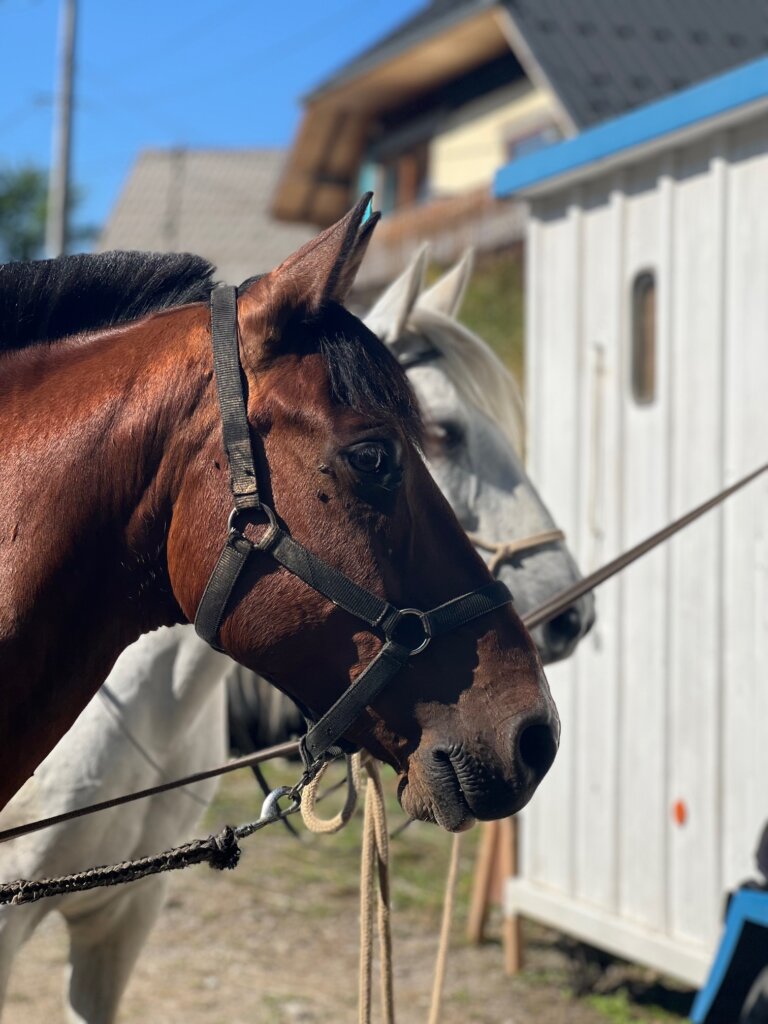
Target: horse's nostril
column 565, row 627
column 537, row 747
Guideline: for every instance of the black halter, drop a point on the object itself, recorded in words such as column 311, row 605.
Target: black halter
column 406, row 631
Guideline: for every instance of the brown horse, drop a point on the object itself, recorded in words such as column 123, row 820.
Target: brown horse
column 114, row 497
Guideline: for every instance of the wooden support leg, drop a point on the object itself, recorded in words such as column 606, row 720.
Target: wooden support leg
column 508, row 863
column 496, row 862
column 482, row 882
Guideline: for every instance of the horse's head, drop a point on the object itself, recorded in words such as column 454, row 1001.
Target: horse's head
column 473, row 429
column 469, row 723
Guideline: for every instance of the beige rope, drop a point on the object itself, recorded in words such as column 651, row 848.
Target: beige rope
column 445, row 931
column 374, row 885
column 506, row 549
column 374, row 874
column 309, row 797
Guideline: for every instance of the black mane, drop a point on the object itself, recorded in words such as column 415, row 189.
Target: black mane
column 45, row 300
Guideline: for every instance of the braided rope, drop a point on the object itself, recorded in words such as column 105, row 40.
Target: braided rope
column 221, row 851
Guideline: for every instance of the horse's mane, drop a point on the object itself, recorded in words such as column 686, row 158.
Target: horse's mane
column 45, row 300
column 475, row 371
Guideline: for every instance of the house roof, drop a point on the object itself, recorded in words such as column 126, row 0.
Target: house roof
column 214, row 203
column 603, row 57
column 705, row 107
column 427, row 22
column 325, row 157
column 598, row 58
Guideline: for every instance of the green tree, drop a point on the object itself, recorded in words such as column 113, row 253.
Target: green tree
column 23, row 194
column 23, row 201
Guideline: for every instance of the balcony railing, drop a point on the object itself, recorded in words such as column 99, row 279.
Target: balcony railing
column 449, row 224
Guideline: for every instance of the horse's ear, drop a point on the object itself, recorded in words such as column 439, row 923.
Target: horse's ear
column 320, row 272
column 447, row 294
column 390, row 313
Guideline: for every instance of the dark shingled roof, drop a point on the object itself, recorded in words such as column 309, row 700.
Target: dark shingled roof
column 602, row 57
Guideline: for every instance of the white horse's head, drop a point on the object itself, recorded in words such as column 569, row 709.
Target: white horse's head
column 473, row 412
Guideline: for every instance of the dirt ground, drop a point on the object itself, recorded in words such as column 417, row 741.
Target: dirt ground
column 275, row 942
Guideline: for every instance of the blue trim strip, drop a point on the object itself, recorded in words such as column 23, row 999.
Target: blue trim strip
column 746, row 906
column 708, row 99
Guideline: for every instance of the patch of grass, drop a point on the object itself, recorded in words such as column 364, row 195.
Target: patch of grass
column 615, row 1007
column 620, row 1008
column 494, row 303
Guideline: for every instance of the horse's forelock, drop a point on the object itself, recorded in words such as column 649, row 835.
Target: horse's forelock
column 475, row 371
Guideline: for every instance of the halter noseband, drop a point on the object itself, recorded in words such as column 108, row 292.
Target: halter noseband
column 406, row 631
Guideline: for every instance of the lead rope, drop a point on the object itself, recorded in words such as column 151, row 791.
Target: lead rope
column 374, row 885
column 374, row 878
column 374, row 873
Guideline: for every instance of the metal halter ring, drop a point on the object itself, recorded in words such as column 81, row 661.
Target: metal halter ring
column 267, row 539
column 423, row 622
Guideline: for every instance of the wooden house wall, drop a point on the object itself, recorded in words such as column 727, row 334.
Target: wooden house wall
column 665, row 705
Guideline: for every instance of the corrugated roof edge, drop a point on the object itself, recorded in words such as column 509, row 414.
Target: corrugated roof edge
column 709, row 99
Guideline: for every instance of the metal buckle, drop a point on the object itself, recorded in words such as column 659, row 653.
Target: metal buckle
column 423, row 621
column 267, row 539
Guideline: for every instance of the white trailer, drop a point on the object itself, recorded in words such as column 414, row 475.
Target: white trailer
column 647, row 392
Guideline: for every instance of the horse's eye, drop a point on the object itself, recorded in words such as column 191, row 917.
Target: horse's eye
column 449, row 434
column 370, row 459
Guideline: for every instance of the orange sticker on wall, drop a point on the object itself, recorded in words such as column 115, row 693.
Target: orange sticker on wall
column 680, row 812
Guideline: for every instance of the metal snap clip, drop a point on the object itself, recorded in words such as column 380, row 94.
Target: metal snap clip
column 270, row 809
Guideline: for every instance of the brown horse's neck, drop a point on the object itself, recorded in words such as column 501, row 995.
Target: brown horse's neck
column 94, row 434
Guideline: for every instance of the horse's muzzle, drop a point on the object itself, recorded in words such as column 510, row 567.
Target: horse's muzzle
column 454, row 785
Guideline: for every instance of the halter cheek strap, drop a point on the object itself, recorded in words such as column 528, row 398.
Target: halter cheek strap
column 406, row 631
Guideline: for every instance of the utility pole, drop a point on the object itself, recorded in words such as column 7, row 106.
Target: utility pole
column 57, row 222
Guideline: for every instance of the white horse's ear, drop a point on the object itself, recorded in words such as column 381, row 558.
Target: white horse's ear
column 447, row 294
column 388, row 317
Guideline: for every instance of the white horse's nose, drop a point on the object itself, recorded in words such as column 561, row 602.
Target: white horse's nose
column 562, row 632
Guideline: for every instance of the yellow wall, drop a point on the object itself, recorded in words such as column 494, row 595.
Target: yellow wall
column 471, row 149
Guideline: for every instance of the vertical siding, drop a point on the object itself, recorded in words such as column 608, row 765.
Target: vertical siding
column 643, row 483
column 667, row 700
column 596, row 796
column 745, row 583
column 695, row 447
column 553, row 455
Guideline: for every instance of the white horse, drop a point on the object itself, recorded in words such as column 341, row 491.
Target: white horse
column 160, row 714
column 473, row 410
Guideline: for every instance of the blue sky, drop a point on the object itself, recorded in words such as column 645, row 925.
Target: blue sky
column 172, row 72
